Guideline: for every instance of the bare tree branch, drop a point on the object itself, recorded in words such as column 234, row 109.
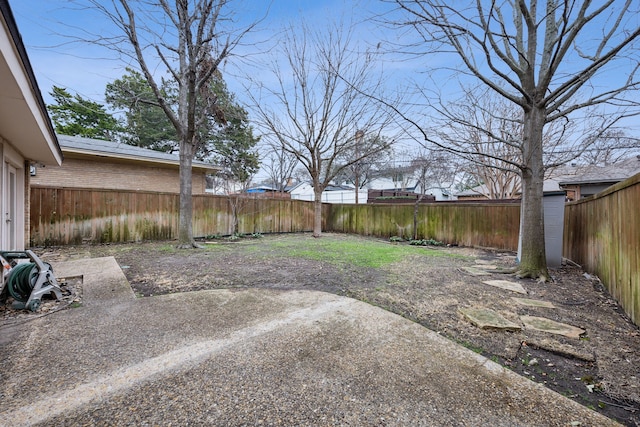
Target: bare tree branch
column 313, row 112
column 190, row 40
column 549, row 61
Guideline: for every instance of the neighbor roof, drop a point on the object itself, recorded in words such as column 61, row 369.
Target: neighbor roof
column 609, row 174
column 88, row 147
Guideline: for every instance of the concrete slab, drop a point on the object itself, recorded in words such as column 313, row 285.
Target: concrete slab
column 251, row 357
column 533, row 302
column 474, row 271
column 507, row 285
column 551, row 326
column 485, row 318
column 103, row 281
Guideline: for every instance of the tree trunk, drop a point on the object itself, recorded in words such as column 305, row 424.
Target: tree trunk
column 533, row 262
column 416, row 210
column 185, row 226
column 234, row 202
column 317, row 212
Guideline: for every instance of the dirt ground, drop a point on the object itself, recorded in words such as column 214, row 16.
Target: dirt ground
column 600, row 370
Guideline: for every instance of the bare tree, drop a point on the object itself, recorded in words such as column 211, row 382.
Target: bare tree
column 362, row 172
column 436, row 169
column 432, row 168
column 317, row 105
column 238, row 200
column 486, row 131
column 610, row 147
column 280, row 166
column 548, row 59
column 188, row 40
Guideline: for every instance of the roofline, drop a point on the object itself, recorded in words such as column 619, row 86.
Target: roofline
column 94, row 153
column 10, row 21
column 592, row 182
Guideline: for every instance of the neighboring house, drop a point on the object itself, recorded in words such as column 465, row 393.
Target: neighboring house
column 267, row 192
column 398, row 197
column 578, row 181
column 479, row 192
column 26, row 133
column 583, row 181
column 331, row 194
column 406, row 184
column 97, row 164
column 445, row 192
column 440, row 193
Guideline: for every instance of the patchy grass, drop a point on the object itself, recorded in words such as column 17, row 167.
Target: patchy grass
column 353, row 251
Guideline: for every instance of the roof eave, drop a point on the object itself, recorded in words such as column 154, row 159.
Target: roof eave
column 73, row 152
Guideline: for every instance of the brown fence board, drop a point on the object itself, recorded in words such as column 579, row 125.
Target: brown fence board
column 64, row 216
column 486, row 225
column 602, row 233
column 70, row 216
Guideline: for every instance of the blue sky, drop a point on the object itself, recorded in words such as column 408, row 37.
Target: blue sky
column 86, row 69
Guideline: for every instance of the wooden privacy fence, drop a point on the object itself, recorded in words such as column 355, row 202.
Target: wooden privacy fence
column 72, row 216
column 602, row 233
column 466, row 224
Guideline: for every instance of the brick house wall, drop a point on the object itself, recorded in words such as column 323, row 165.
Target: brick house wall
column 115, row 174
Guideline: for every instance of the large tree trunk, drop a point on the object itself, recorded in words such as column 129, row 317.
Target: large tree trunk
column 185, row 226
column 533, row 261
column 317, row 212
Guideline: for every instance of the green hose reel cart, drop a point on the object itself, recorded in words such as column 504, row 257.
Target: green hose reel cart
column 26, row 278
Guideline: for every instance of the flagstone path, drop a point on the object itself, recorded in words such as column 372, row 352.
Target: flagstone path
column 485, row 318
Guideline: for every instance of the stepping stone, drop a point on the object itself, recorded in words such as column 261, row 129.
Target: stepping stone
column 551, row 326
column 533, row 302
column 474, row 271
column 492, row 268
column 562, row 348
column 505, row 284
column 485, row 266
column 484, row 318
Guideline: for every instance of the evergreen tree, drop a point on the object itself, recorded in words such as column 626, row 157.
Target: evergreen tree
column 147, row 125
column 223, row 131
column 231, row 145
column 76, row 116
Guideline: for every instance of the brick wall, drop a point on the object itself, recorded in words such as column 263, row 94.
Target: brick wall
column 108, row 174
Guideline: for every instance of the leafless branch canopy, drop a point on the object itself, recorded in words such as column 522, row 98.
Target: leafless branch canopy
column 186, row 41
column 553, row 54
column 553, row 60
column 315, row 105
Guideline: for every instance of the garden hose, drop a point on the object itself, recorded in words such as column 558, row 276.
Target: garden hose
column 22, row 280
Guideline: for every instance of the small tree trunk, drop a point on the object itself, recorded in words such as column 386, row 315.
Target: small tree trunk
column 185, row 226
column 533, row 262
column 416, row 209
column 234, row 205
column 317, row 212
